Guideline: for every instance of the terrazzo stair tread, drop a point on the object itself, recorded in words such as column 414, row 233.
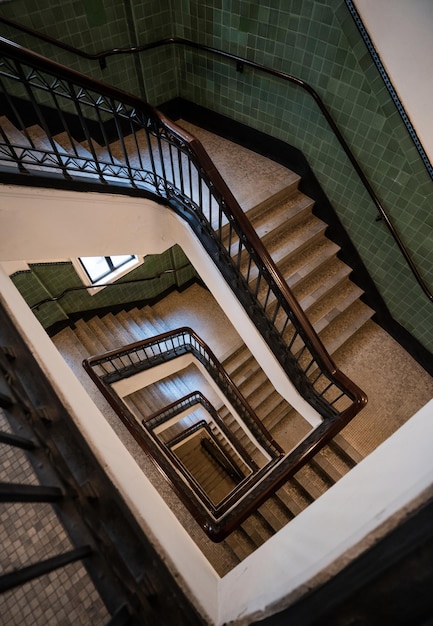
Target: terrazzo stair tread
column 176, row 387
column 97, row 327
column 241, row 367
column 213, row 480
column 323, row 316
column 103, row 152
column 240, row 544
column 290, row 429
column 300, row 266
column 265, row 401
column 118, row 333
column 281, row 195
column 41, row 141
column 337, row 458
column 88, row 338
column 75, row 149
column 136, row 408
column 114, row 332
column 257, row 529
column 282, row 244
column 156, row 395
column 240, row 434
column 311, row 482
column 272, row 217
column 343, row 448
column 141, row 324
column 293, row 498
column 286, row 244
column 324, row 311
column 345, row 326
column 136, row 332
column 321, row 464
column 220, row 150
column 20, row 142
column 109, row 165
column 236, row 360
column 243, row 438
column 225, row 446
column 13, row 133
column 136, row 147
column 145, row 403
column 332, row 457
column 279, row 412
column 322, row 282
column 72, row 146
column 284, row 215
column 167, row 390
column 274, row 514
column 157, row 323
column 302, row 279
column 75, row 349
column 256, row 389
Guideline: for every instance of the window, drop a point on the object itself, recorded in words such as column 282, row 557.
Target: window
column 99, row 267
column 102, row 270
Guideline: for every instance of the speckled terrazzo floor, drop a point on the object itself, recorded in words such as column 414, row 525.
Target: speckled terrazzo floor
column 396, row 385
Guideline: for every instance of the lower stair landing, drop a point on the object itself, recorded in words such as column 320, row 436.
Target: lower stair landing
column 396, row 385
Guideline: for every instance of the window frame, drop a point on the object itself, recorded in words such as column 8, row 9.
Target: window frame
column 109, row 277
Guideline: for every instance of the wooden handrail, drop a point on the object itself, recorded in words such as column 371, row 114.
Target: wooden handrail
column 220, row 192
column 229, row 387
column 240, row 62
column 196, row 397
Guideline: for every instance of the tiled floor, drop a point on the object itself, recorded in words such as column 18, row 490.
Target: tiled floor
column 32, row 532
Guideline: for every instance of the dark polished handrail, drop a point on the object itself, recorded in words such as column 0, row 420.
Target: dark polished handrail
column 220, row 199
column 250, row 493
column 228, row 207
column 204, row 354
column 241, row 61
column 192, row 399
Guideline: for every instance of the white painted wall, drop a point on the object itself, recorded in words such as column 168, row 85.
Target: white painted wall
column 51, row 224
column 346, row 519
column 358, row 510
column 402, row 33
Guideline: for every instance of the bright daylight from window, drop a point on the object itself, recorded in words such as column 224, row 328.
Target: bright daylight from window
column 99, row 267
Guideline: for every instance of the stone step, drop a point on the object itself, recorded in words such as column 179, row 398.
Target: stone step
column 283, row 211
column 288, row 243
column 283, row 215
column 258, row 529
column 300, row 265
column 21, row 142
column 312, row 483
column 322, row 283
column 240, row 544
column 82, row 160
column 345, row 325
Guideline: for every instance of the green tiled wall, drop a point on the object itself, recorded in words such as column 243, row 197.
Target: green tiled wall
column 94, row 26
column 316, row 40
column 46, row 280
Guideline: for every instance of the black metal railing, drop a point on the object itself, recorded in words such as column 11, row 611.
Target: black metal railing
column 217, row 519
column 143, row 149
column 140, row 356
column 194, row 399
column 240, row 63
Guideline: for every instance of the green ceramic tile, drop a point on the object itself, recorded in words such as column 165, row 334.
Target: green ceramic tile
column 315, row 40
